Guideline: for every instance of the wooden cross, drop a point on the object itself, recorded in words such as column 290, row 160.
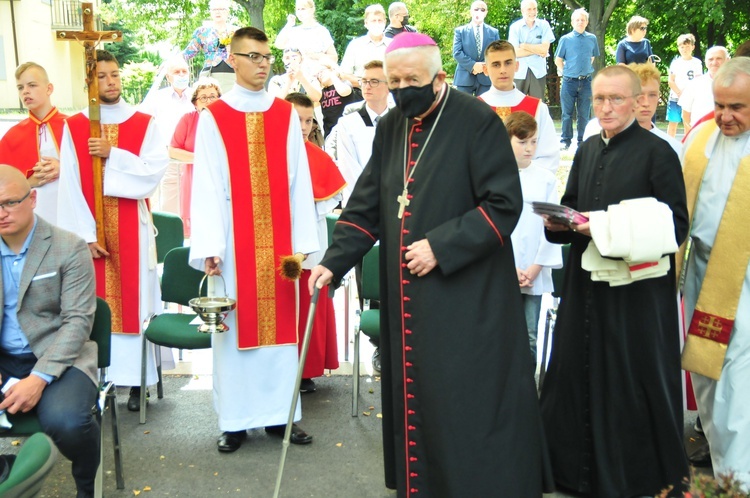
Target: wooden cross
column 91, row 38
column 403, row 202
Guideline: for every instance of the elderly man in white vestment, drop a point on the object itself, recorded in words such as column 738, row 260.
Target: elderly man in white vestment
column 252, row 196
column 716, row 163
column 134, row 161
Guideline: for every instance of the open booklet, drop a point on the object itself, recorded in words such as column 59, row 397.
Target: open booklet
column 559, row 213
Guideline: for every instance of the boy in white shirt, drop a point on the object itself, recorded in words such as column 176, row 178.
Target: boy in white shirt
column 682, row 70
column 535, row 257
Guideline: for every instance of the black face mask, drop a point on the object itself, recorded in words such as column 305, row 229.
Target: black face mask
column 405, row 20
column 414, row 100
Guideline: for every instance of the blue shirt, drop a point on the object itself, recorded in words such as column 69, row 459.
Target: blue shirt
column 12, row 339
column 577, row 49
column 539, row 33
column 629, row 51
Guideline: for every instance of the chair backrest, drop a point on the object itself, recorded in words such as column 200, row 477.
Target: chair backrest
column 558, row 274
column 101, row 332
column 180, row 281
column 169, row 233
column 371, row 274
column 33, row 463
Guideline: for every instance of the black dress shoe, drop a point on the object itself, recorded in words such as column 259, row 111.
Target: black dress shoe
column 298, row 435
column 307, row 386
column 701, row 456
column 231, row 441
column 134, row 399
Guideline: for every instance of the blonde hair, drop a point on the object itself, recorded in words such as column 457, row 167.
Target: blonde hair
column 31, row 65
column 646, row 72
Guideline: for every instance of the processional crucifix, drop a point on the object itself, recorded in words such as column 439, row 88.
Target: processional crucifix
column 90, row 38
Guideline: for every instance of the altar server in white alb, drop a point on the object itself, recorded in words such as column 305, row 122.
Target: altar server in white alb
column 716, row 164
column 501, row 66
column 535, row 256
column 252, row 204
column 134, row 161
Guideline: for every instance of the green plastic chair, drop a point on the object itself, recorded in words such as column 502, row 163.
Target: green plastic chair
column 27, row 424
column 173, row 330
column 331, row 219
column 33, row 463
column 169, row 233
column 558, row 277
column 369, row 319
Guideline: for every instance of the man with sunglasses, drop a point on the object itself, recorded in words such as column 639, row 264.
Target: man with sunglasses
column 469, row 43
column 252, row 204
column 47, row 361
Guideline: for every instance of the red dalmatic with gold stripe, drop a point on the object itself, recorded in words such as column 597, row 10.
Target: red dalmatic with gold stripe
column 256, row 146
column 117, row 276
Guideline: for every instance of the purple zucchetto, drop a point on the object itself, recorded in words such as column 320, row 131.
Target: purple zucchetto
column 409, row 40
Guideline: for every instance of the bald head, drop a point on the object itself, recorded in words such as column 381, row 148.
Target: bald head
column 13, row 176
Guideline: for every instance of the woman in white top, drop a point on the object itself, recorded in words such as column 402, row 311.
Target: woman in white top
column 310, row 36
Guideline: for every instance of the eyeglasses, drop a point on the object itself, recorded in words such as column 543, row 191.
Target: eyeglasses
column 373, row 83
column 612, row 99
column 479, row 9
column 208, row 98
column 258, row 58
column 13, row 205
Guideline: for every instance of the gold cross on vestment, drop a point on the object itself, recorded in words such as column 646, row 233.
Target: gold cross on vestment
column 90, row 38
column 710, row 327
column 403, row 202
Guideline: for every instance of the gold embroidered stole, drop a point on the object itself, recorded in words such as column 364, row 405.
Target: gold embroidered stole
column 713, row 319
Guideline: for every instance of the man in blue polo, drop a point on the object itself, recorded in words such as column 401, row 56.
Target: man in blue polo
column 531, row 37
column 574, row 60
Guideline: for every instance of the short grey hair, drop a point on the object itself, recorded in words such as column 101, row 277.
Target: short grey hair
column 580, row 11
column 718, row 48
column 728, row 72
column 395, row 7
column 526, row 2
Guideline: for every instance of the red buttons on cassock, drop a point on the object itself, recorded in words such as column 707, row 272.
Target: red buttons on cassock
column 403, row 248
column 405, row 231
column 405, row 282
column 411, row 180
column 418, row 130
column 411, row 428
column 412, row 443
column 412, row 459
column 407, row 315
column 408, row 363
column 403, row 265
column 409, row 196
column 414, row 490
column 414, row 146
column 411, row 412
column 409, row 381
column 413, row 474
column 412, row 163
column 407, row 348
column 407, row 213
column 407, row 332
column 406, row 299
column 410, row 396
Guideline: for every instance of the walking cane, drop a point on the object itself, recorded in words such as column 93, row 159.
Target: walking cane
column 295, row 396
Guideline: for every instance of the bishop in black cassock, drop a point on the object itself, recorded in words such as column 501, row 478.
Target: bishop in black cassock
column 460, row 411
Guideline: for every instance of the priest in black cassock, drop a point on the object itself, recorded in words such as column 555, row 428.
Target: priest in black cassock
column 612, row 398
column 441, row 193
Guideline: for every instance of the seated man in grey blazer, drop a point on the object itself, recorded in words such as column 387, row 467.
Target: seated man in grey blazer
column 48, row 305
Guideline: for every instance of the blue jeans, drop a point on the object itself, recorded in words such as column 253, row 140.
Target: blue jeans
column 64, row 413
column 576, row 94
column 532, row 308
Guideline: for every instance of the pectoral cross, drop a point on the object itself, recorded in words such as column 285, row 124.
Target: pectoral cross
column 91, row 38
column 403, row 202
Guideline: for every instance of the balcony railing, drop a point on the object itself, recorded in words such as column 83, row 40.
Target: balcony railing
column 66, row 14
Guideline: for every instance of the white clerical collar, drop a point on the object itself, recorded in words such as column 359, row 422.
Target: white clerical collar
column 503, row 94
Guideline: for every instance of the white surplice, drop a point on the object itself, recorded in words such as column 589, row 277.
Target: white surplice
column 254, row 387
column 128, row 176
column 530, row 247
column 723, row 405
column 46, row 197
column 548, row 148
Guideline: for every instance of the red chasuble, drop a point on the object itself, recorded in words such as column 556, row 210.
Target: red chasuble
column 19, row 147
column 256, row 148
column 117, row 276
column 528, row 104
column 325, row 175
